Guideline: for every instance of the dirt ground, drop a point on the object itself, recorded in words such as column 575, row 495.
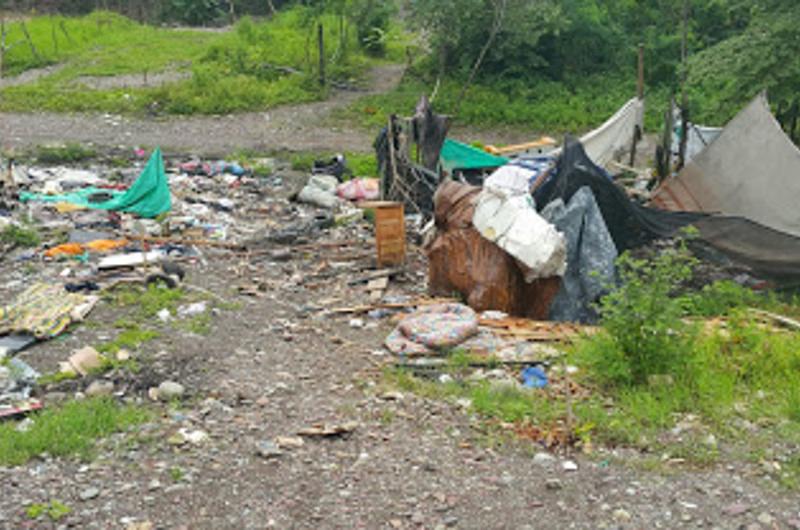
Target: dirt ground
column 304, row 127
column 273, row 365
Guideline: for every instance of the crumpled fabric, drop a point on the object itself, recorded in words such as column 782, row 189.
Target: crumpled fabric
column 44, row 310
column 590, row 256
column 359, row 189
column 432, row 328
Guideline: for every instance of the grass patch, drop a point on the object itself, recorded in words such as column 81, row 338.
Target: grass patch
column 67, row 430
column 20, row 236
column 63, row 154
column 257, row 65
column 198, row 324
column 129, row 339
column 545, row 106
column 147, row 301
column 54, row 510
column 55, row 378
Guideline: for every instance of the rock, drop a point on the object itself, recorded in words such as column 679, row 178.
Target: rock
column 450, row 521
column 85, row 360
column 100, row 387
column 569, row 465
column 169, row 390
column 268, row 449
column 123, row 355
column 154, row 485
column 392, row 396
column 356, row 323
column 543, row 459
column 621, row 515
column 765, row 519
column 553, row 484
column 164, row 315
column 89, row 494
column 289, row 442
column 417, row 518
column 736, row 508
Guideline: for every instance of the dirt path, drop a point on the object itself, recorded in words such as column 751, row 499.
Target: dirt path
column 302, row 127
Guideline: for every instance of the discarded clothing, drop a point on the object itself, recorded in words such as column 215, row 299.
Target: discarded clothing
column 359, row 189
column 44, row 310
column 432, row 328
column 320, row 191
column 148, row 196
column 77, row 249
column 590, row 256
column 514, row 225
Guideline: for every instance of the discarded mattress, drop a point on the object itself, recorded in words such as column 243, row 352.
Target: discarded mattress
column 148, row 196
column 511, row 221
column 462, row 261
column 751, row 170
column 591, row 255
column 44, row 310
column 432, row 328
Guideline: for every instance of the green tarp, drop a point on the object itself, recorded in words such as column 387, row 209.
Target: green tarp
column 458, row 156
column 148, row 197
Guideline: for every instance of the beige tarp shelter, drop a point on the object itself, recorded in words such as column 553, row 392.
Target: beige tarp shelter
column 615, row 135
column 752, row 170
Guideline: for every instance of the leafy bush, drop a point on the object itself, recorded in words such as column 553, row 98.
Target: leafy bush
column 644, row 334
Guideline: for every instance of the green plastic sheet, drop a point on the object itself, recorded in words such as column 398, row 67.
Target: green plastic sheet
column 458, row 156
column 148, row 197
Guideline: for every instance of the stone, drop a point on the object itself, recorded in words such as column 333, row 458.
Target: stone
column 417, row 518
column 123, row 355
column 569, row 465
column 89, row 494
column 169, row 390
column 736, row 508
column 450, row 521
column 543, row 459
column 621, row 515
column 100, row 387
column 765, row 518
column 553, row 484
column 289, row 442
column 154, row 485
column 268, row 449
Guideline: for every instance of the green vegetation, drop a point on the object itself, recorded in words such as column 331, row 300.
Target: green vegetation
column 20, row 236
column 256, row 66
column 659, row 376
column 360, row 164
column 55, row 510
column 63, row 154
column 147, row 301
column 66, row 430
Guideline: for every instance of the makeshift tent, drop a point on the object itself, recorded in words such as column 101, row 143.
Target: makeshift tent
column 629, row 223
column 456, row 156
column 614, row 136
column 148, row 196
column 751, row 170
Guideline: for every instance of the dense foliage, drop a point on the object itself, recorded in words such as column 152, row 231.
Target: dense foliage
column 736, row 47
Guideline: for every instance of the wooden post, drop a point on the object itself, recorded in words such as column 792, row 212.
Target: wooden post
column 684, row 95
column 321, row 47
column 640, row 84
column 637, row 133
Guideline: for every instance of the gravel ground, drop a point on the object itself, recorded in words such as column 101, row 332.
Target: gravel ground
column 274, row 365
